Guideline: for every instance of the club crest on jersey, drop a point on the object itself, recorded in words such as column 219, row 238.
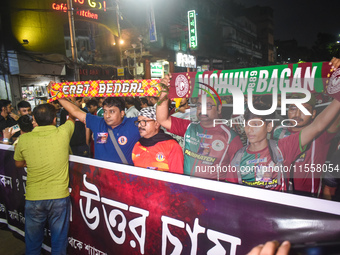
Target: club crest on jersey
column 122, row 140
column 217, row 145
column 160, row 157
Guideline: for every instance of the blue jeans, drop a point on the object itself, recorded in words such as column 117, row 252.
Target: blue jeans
column 57, row 213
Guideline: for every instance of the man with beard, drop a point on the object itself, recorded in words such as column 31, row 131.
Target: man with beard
column 208, row 149
column 156, row 150
column 6, row 120
column 303, row 181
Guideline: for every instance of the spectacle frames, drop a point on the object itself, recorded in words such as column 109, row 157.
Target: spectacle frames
column 209, row 105
column 142, row 122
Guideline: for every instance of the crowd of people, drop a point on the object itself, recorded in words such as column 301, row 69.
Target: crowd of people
column 149, row 133
column 144, row 132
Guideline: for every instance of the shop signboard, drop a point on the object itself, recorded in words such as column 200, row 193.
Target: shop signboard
column 192, row 29
column 156, row 70
column 120, row 71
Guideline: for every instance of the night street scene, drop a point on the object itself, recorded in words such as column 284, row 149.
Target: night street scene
column 169, row 127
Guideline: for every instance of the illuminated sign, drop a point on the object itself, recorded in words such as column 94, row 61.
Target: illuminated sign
column 192, row 29
column 185, row 60
column 59, row 7
column 98, row 11
column 87, row 14
column 120, row 71
column 95, row 5
column 156, row 70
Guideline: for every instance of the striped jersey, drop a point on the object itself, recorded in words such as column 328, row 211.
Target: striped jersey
column 207, row 151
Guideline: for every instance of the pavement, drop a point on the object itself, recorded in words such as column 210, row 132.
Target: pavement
column 9, row 244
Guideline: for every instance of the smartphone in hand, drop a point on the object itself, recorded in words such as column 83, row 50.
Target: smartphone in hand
column 14, row 129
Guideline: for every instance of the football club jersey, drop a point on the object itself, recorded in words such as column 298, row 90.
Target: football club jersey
column 305, row 179
column 207, row 151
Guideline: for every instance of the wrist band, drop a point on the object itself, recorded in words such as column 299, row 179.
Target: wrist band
column 5, row 140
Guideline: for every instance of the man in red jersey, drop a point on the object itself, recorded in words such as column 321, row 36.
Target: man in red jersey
column 208, row 149
column 156, row 150
column 305, row 181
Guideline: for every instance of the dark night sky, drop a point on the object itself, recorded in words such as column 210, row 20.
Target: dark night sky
column 302, row 19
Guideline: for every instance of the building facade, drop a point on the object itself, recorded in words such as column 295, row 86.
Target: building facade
column 36, row 45
column 124, row 40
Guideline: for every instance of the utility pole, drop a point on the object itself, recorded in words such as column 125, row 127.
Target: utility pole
column 119, row 35
column 73, row 40
column 134, row 60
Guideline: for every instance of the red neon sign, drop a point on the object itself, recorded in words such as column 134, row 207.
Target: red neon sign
column 93, row 4
column 59, row 7
column 87, row 14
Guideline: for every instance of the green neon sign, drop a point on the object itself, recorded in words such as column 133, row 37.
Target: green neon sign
column 192, row 29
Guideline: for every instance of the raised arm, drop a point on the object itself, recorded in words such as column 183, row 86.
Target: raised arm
column 320, row 123
column 335, row 126
column 329, row 115
column 73, row 109
column 162, row 110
